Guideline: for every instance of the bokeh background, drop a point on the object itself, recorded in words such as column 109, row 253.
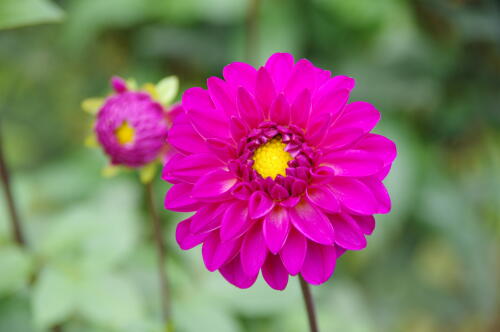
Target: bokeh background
column 432, row 67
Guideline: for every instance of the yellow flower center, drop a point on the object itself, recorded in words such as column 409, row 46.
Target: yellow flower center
column 271, row 159
column 125, row 133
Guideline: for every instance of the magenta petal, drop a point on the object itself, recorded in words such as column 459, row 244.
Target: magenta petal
column 259, row 205
column 194, row 166
column 354, row 195
column 240, row 74
column 264, row 89
column 213, row 185
column 280, row 66
column 338, row 82
column 207, row 218
column 197, row 98
column 179, row 198
column 184, row 138
column 253, row 250
column 323, row 197
column 248, row 109
column 312, row 223
column 222, row 96
column 276, row 228
column 280, row 110
column 235, row 221
column 353, row 163
column 301, row 108
column 274, row 272
column 378, row 145
column 347, row 233
column 319, row 263
column 365, row 223
column 118, row 84
column 294, row 252
column 239, row 129
column 209, row 124
column 216, row 253
column 233, row 273
column 221, row 148
column 318, row 127
column 336, row 138
column 331, row 102
column 358, row 115
column 303, row 77
column 185, row 238
column 380, row 193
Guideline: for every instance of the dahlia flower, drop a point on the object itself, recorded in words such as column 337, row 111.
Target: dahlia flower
column 131, row 126
column 281, row 171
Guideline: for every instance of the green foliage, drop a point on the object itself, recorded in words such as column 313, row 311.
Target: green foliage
column 18, row 13
column 430, row 67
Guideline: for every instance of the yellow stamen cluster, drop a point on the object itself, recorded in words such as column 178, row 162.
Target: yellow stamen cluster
column 125, row 133
column 271, row 159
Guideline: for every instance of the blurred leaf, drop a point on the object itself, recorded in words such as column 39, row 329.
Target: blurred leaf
column 54, row 297
column 167, row 89
column 18, row 13
column 110, row 301
column 16, row 268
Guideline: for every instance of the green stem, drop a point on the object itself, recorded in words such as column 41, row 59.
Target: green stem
column 162, row 253
column 15, row 222
column 252, row 30
column 309, row 303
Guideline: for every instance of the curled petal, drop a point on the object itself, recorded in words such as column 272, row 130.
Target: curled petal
column 207, row 218
column 235, row 221
column 303, row 77
column 280, row 110
column 194, row 166
column 354, row 195
column 294, row 252
column 184, row 138
column 378, row 145
column 280, row 66
column 323, row 198
column 274, row 273
column 331, row 102
column 240, row 74
column 301, row 108
column 365, row 223
column 213, row 185
column 185, row 238
column 248, row 109
column 253, row 250
column 216, row 253
column 358, row 115
column 276, row 228
column 264, row 90
column 179, row 198
column 319, row 263
column 353, row 163
column 312, row 223
column 222, row 96
column 380, row 193
column 347, row 233
column 233, row 272
column 259, row 205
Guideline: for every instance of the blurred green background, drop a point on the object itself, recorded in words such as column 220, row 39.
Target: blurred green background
column 432, row 67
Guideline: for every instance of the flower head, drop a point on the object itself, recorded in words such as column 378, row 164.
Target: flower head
column 132, row 125
column 281, row 171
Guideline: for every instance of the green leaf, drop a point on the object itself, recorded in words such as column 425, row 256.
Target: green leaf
column 110, row 301
column 18, row 13
column 16, row 268
column 54, row 297
column 167, row 89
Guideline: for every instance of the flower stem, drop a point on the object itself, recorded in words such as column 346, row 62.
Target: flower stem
column 308, row 301
column 252, row 30
column 17, row 232
column 161, row 251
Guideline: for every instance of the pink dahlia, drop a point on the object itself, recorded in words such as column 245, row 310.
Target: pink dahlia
column 131, row 126
column 281, row 171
